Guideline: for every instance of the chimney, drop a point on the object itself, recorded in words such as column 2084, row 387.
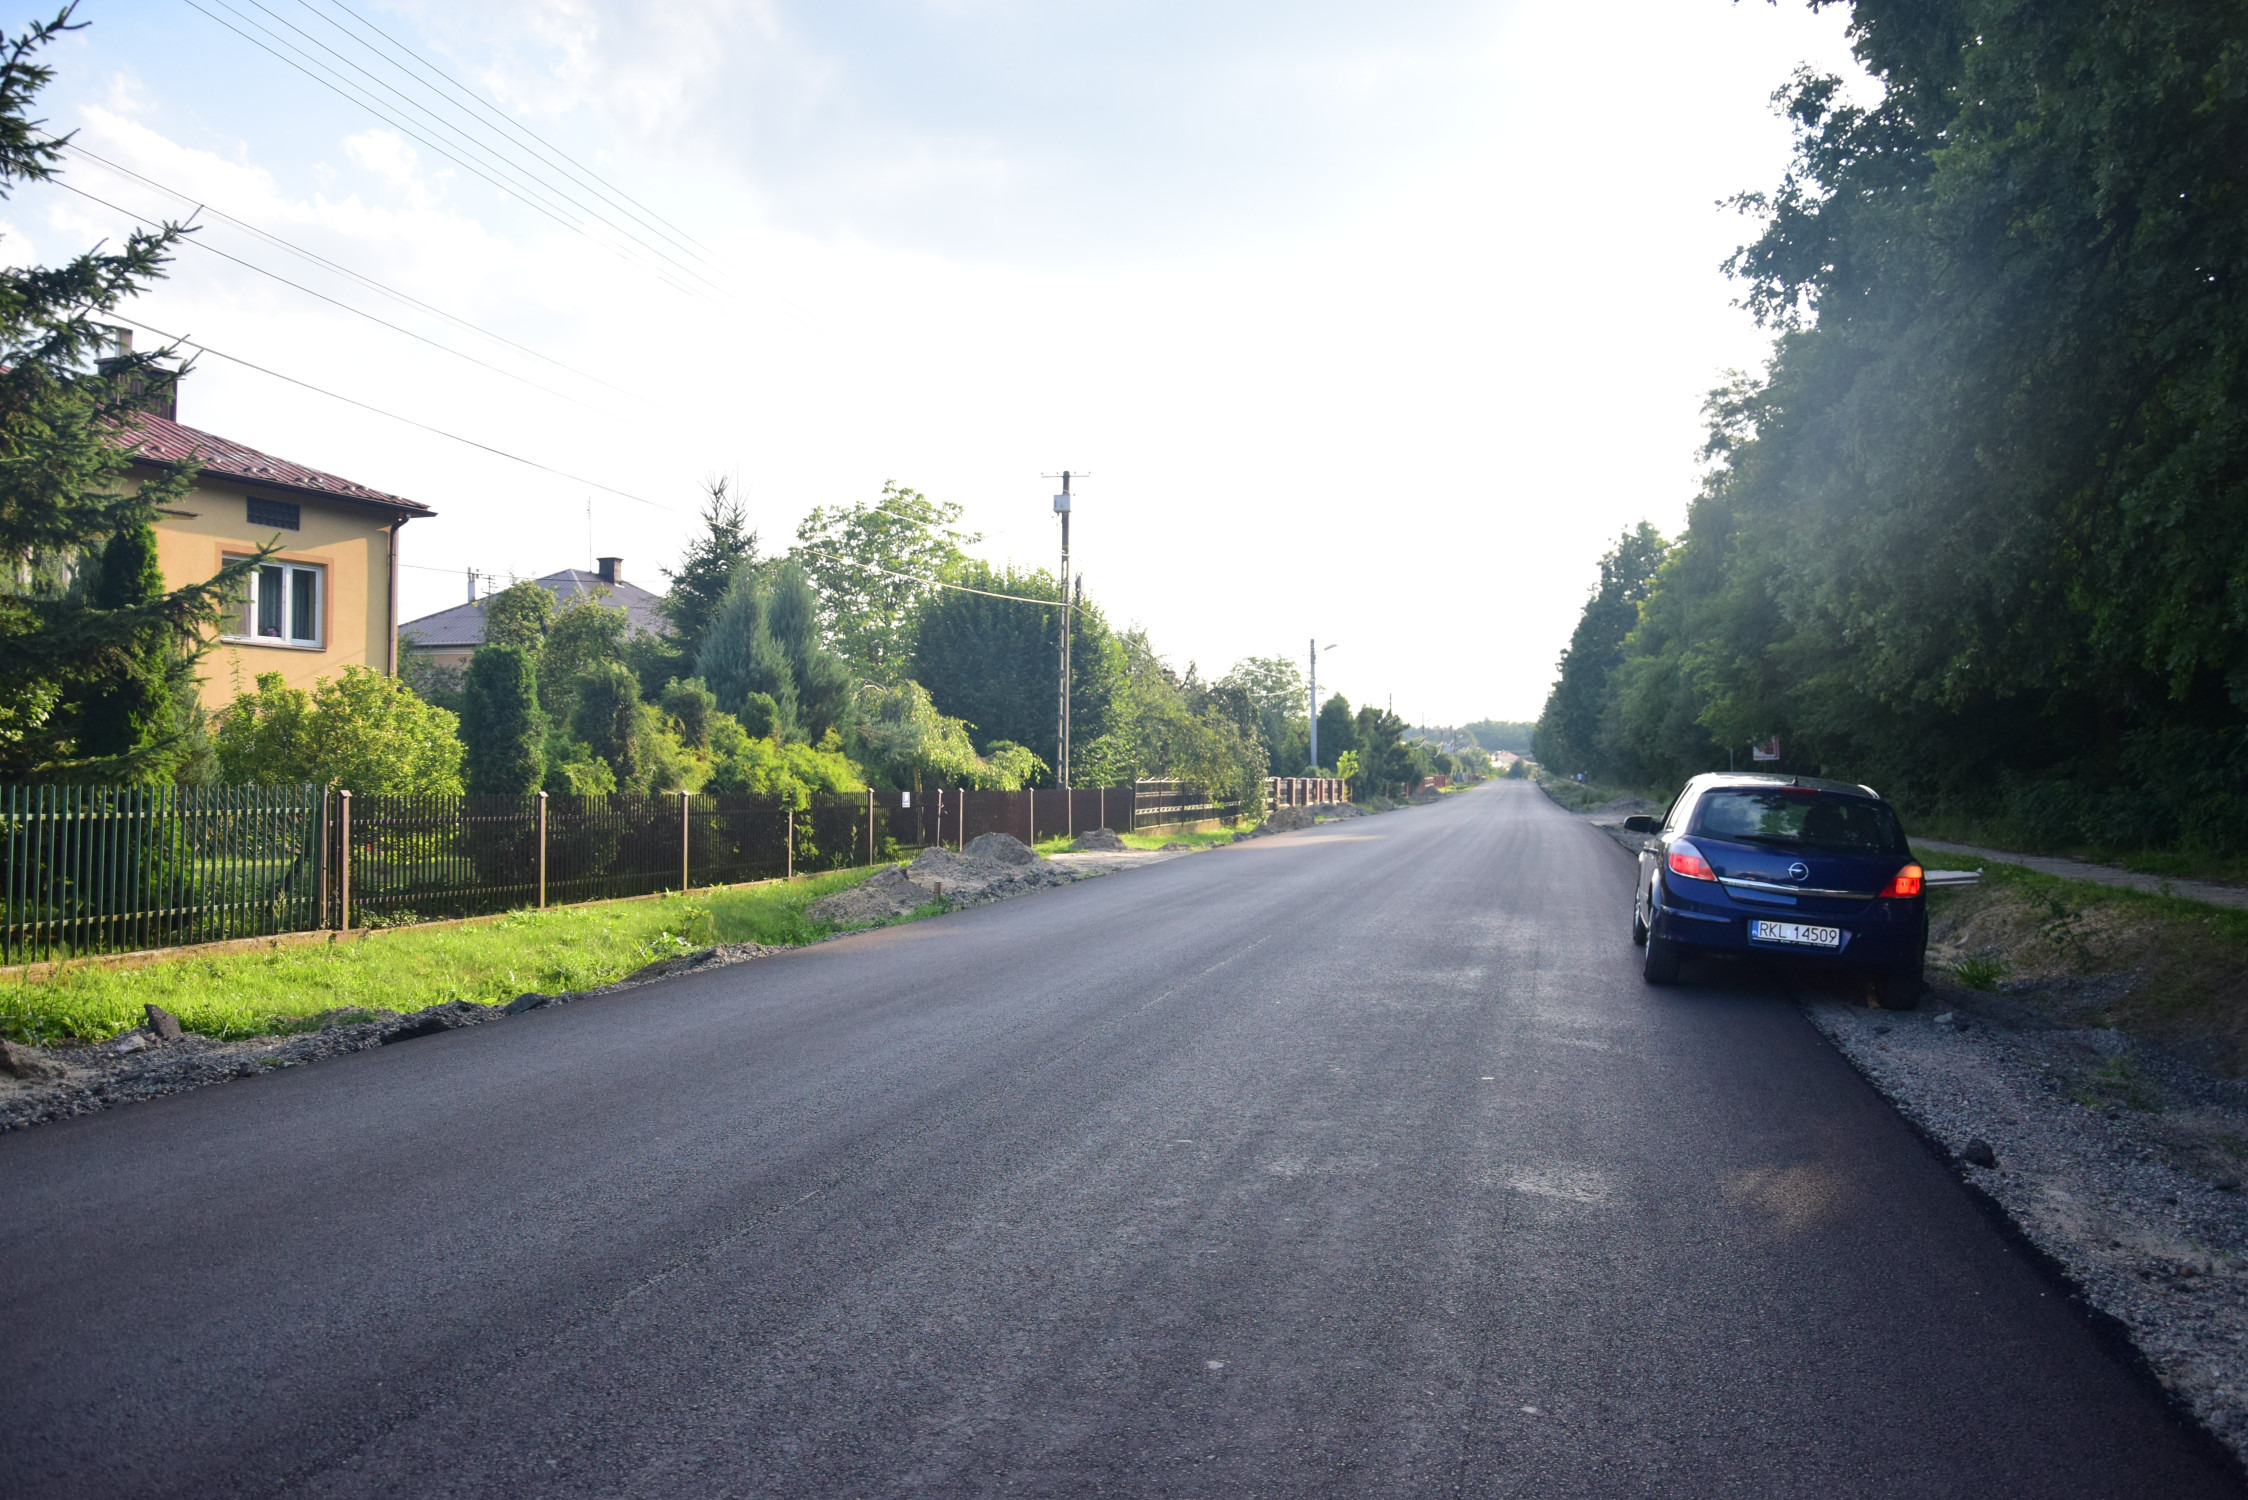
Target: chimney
column 472, row 585
column 152, row 388
column 612, row 569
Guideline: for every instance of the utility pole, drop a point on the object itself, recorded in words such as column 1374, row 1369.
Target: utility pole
column 1061, row 715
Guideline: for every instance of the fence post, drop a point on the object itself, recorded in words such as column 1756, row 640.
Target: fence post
column 870, row 827
column 960, row 823
column 788, row 868
column 343, row 917
column 542, row 851
column 683, row 795
column 1030, row 814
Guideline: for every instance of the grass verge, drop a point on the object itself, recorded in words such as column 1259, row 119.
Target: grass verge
column 407, row 969
column 1159, row 839
column 2161, row 968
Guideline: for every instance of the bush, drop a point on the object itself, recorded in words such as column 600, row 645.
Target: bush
column 364, row 732
column 500, row 722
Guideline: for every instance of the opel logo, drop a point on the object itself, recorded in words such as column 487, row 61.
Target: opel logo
column 1799, row 871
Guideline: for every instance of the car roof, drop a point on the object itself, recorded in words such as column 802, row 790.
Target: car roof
column 1750, row 779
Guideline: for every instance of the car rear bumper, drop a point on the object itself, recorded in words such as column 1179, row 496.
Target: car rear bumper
column 1883, row 934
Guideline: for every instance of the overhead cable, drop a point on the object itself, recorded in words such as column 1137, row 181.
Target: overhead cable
column 236, row 359
column 530, row 199
column 315, row 258
column 347, row 307
column 624, row 201
column 471, row 142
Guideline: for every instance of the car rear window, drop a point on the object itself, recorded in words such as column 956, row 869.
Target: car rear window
column 1801, row 820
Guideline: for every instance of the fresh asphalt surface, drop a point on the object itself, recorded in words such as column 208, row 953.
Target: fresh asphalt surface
column 1351, row 1162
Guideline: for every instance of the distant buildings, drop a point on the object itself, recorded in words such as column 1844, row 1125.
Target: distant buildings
column 449, row 637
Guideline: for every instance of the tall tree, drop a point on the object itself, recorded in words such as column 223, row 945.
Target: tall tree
column 869, row 561
column 996, row 662
column 741, row 662
column 63, row 497
column 1568, row 733
column 713, row 558
column 825, row 689
column 605, row 714
column 1338, row 730
column 501, row 726
column 519, row 615
column 131, row 716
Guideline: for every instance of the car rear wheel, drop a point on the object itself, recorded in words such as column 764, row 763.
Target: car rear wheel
column 1660, row 965
column 1897, row 989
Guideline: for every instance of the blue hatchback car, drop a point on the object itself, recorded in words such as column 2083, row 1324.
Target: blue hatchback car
column 1783, row 866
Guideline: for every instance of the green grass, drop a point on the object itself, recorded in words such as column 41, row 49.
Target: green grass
column 1156, row 840
column 406, row 969
column 1979, row 973
column 2189, row 959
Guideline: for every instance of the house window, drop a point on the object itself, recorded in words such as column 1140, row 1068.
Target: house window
column 283, row 607
column 284, row 514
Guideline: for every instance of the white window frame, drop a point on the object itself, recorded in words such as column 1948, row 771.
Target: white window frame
column 276, row 573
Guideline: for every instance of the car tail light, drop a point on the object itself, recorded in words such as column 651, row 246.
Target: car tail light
column 1907, row 883
column 1687, row 860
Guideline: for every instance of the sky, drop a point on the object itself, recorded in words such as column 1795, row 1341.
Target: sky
column 1374, row 323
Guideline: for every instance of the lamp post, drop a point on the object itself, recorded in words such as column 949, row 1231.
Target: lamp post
column 1331, row 646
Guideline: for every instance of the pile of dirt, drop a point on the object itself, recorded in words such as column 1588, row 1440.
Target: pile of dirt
column 1003, row 847
column 987, row 869
column 878, row 898
column 1099, row 840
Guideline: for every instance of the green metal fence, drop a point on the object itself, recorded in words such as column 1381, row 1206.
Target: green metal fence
column 109, row 869
column 103, row 869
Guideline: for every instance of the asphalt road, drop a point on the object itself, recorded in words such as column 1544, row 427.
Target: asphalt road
column 1353, row 1162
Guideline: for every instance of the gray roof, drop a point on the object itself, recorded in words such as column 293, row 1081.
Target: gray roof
column 462, row 626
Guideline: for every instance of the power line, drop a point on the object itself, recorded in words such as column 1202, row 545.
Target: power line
column 472, row 142
column 325, row 263
column 531, row 199
column 347, row 307
column 935, row 583
column 553, row 153
column 201, row 348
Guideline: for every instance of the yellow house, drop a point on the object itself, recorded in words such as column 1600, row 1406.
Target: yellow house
column 328, row 599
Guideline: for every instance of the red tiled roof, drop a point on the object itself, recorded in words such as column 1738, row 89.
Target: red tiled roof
column 159, row 440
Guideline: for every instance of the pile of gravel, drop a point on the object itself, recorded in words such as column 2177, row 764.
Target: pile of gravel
column 880, row 897
column 1099, row 840
column 993, row 867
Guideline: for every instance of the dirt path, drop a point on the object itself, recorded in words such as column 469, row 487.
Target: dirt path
column 2078, row 869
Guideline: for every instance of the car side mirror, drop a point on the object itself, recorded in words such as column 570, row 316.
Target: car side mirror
column 1642, row 825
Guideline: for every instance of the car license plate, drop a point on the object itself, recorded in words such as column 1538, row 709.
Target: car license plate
column 1797, row 933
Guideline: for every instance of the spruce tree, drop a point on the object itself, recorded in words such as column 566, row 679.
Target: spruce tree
column 501, row 724
column 698, row 589
column 825, row 689
column 739, row 656
column 84, row 645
